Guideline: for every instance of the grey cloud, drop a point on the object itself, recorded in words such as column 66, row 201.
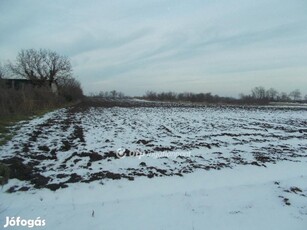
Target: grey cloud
column 162, row 40
column 89, row 43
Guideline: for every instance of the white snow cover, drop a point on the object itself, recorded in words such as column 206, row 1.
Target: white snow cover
column 233, row 193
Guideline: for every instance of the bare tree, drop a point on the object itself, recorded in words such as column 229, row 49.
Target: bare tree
column 296, row 95
column 283, row 96
column 259, row 93
column 151, row 95
column 271, row 94
column 121, row 95
column 41, row 65
column 3, row 71
column 113, row 94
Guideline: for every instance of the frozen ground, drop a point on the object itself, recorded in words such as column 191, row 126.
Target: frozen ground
column 218, row 168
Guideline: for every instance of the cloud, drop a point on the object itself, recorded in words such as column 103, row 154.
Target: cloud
column 165, row 44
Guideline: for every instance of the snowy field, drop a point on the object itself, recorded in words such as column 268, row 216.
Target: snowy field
column 159, row 168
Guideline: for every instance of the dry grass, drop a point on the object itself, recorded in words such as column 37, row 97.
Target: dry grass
column 26, row 101
column 17, row 105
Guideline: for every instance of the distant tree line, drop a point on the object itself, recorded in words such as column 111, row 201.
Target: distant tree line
column 261, row 95
column 258, row 95
column 113, row 94
column 188, row 96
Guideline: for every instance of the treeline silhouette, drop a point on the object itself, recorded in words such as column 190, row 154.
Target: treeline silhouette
column 258, row 95
column 113, row 94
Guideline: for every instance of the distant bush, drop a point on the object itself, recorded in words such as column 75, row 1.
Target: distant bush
column 70, row 89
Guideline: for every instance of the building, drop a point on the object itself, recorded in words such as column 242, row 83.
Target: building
column 20, row 84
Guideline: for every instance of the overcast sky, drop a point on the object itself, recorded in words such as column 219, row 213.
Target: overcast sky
column 224, row 47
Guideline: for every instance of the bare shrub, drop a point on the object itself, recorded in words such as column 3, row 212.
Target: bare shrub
column 70, row 89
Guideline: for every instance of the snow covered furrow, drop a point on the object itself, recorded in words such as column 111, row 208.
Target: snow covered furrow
column 74, row 145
